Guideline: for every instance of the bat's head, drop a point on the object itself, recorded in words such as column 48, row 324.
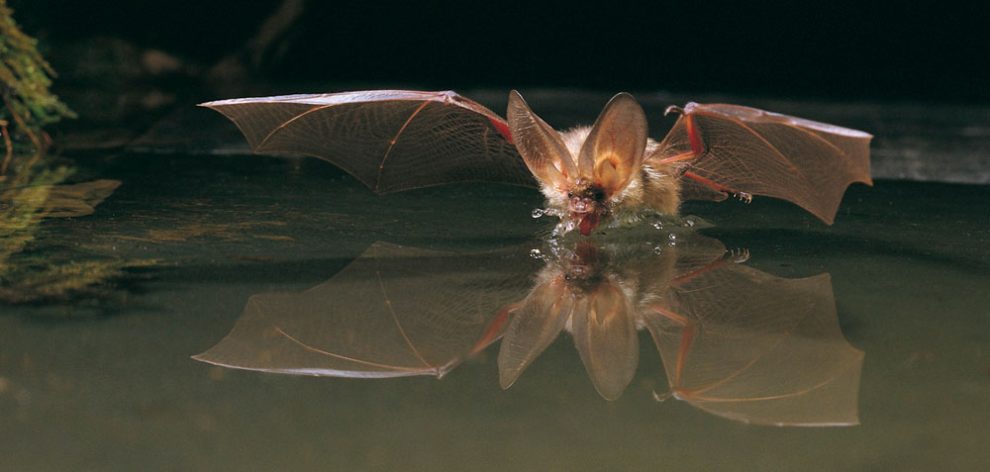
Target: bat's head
column 583, row 184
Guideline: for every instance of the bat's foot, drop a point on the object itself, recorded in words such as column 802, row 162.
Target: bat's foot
column 673, row 109
column 738, row 255
column 662, row 397
column 743, row 197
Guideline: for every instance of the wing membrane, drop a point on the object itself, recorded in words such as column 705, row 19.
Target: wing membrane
column 752, row 347
column 390, row 140
column 746, row 150
column 393, row 312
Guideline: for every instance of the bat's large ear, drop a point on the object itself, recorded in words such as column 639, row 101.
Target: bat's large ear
column 540, row 146
column 613, row 152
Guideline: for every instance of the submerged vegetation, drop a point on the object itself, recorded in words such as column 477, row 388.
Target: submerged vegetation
column 31, row 270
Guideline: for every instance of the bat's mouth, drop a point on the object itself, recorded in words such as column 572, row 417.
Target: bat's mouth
column 587, row 212
column 587, row 222
column 587, row 207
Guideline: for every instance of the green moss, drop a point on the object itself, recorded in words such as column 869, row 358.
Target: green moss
column 26, row 77
column 33, row 270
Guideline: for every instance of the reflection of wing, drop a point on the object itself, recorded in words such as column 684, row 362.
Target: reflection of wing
column 743, row 344
column 388, row 139
column 392, row 312
column 734, row 149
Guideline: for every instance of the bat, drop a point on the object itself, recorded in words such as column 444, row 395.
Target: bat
column 607, row 173
column 734, row 341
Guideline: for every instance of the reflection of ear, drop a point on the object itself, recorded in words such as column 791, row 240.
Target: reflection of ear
column 606, row 339
column 533, row 328
column 540, row 146
column 613, row 152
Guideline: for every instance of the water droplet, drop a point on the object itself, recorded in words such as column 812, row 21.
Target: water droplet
column 538, row 213
column 535, row 254
column 672, row 237
column 689, row 222
column 658, row 250
column 658, row 225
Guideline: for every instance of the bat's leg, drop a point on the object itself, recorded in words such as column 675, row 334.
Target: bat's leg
column 709, row 183
column 676, row 318
column 697, row 149
column 494, row 329
column 738, row 255
column 688, row 332
column 684, row 278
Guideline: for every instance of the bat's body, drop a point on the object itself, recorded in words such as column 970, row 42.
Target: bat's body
column 607, row 173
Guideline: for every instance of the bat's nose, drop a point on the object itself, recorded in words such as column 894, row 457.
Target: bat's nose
column 582, row 204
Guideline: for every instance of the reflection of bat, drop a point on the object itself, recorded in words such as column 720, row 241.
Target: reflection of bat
column 393, row 140
column 392, row 312
column 735, row 342
column 773, row 355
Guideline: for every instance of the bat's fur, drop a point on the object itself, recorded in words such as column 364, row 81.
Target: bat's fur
column 655, row 187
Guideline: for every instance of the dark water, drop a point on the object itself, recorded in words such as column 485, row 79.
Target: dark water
column 110, row 384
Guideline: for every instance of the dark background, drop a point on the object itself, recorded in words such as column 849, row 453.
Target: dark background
column 834, row 50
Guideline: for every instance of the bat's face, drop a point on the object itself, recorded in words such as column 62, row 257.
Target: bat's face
column 585, row 174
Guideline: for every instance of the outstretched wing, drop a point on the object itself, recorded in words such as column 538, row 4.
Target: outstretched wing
column 393, row 312
column 730, row 149
column 390, row 140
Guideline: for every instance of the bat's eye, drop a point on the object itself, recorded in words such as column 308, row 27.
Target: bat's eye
column 570, row 194
column 598, row 195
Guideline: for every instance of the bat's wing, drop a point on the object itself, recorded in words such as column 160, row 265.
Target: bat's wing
column 730, row 149
column 390, row 140
column 393, row 312
column 751, row 347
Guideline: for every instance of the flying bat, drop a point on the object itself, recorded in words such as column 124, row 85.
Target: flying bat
column 604, row 174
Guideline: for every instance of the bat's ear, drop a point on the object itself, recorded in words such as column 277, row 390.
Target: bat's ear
column 613, row 152
column 540, row 146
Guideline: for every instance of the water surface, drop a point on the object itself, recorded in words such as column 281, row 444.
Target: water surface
column 109, row 383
